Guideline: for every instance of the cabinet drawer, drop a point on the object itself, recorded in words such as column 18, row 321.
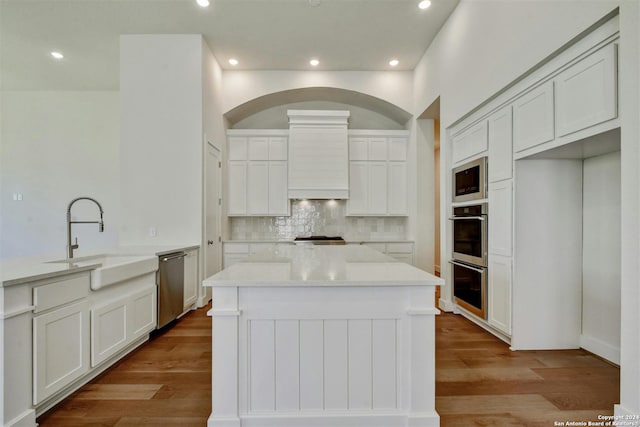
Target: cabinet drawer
column 380, row 247
column 400, row 248
column 236, row 248
column 61, row 292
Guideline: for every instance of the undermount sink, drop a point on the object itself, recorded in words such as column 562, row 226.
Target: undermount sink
column 112, row 269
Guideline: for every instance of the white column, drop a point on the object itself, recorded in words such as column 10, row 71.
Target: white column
column 224, row 394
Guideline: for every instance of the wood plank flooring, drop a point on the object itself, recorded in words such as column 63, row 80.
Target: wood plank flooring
column 480, row 382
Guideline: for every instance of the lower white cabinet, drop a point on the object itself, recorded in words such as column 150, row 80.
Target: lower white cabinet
column 499, row 293
column 118, row 323
column 60, row 349
column 401, row 251
column 190, row 278
column 501, row 217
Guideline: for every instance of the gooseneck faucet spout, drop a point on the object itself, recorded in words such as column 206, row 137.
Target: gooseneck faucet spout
column 71, row 247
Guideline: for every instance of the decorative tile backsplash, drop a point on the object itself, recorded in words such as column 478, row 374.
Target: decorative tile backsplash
column 318, row 217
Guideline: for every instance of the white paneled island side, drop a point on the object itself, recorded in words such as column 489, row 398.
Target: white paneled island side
column 323, row 336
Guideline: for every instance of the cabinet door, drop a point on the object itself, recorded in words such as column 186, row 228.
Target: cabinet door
column 358, row 148
column 258, row 188
column 406, row 258
column 190, row 278
column 397, row 191
column 500, row 218
column 258, row 148
column 499, row 290
column 398, row 149
column 237, row 148
column 500, row 145
column 470, row 142
column 586, row 92
column 278, row 198
column 60, row 349
column 377, row 188
column 108, row 330
column 377, row 149
column 533, row 118
column 237, row 188
column 358, row 189
column 278, row 148
column 143, row 309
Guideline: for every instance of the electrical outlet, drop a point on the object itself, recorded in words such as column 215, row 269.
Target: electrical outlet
column 17, row 197
column 153, row 232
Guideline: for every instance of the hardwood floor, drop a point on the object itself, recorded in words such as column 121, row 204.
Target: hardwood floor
column 480, row 382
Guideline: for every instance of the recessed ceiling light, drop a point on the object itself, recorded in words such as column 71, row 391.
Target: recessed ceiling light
column 424, row 4
column 233, row 61
column 314, row 62
column 394, row 62
column 203, row 3
column 57, row 55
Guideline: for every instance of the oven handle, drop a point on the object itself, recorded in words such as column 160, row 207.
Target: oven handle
column 456, row 218
column 459, row 264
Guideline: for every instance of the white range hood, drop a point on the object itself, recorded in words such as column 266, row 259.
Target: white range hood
column 318, row 154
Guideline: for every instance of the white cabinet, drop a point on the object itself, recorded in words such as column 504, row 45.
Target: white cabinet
column 533, row 118
column 60, row 349
column 60, row 334
column 401, row 251
column 257, row 174
column 500, row 218
column 237, row 187
column 119, row 322
column 377, row 175
column 234, row 252
column 499, row 290
column 500, row 145
column 190, row 278
column 586, row 92
column 108, row 330
column 470, row 142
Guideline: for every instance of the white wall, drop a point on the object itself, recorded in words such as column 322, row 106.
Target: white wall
column 57, row 146
column 276, row 117
column 161, row 139
column 601, row 256
column 628, row 73
column 486, row 44
column 392, row 86
column 426, row 209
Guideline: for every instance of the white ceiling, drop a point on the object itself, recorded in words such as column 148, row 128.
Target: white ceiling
column 261, row 34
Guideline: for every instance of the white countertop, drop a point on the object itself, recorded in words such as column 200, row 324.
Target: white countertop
column 348, row 265
column 14, row 271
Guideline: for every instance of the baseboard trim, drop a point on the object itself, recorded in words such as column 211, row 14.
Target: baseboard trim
column 25, row 419
column 431, row 419
column 600, row 348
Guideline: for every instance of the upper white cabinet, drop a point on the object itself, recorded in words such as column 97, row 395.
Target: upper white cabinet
column 318, row 154
column 470, row 142
column 533, row 118
column 586, row 92
column 500, row 145
column 377, row 174
column 257, row 173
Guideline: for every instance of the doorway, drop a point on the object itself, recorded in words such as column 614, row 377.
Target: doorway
column 212, row 223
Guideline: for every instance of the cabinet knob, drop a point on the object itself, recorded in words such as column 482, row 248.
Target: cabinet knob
column 209, row 242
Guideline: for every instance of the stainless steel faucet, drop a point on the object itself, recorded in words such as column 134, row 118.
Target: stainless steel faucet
column 71, row 247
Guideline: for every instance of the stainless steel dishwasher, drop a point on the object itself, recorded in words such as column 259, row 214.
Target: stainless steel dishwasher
column 170, row 287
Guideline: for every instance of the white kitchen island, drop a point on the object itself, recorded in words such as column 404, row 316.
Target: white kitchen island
column 323, row 336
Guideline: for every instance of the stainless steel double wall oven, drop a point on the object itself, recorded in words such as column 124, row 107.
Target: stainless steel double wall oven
column 469, row 238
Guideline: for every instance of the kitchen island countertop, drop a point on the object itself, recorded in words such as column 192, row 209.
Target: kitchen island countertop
column 310, row 265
